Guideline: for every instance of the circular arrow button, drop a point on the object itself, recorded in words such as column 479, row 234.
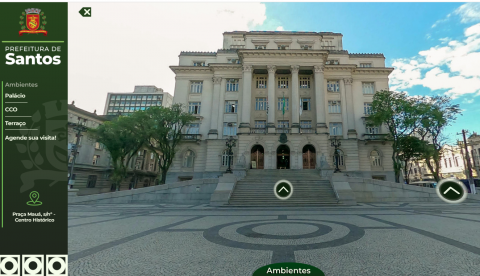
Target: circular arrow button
column 451, row 190
column 283, row 189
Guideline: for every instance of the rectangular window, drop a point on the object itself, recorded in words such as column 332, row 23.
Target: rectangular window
column 334, row 107
column 260, row 103
column 363, row 65
column 260, row 124
column 96, row 158
column 232, row 85
column 199, row 63
column 231, row 106
column 260, row 47
column 233, row 60
column 283, row 82
column 456, row 161
column 230, row 129
column 194, row 107
column 305, row 103
column 368, row 88
column 332, row 62
column 333, row 86
column 304, row 82
column 196, row 86
column 306, row 47
column 283, row 47
column 280, row 104
column 367, row 108
column 335, row 129
column 372, row 130
column 193, row 129
column 306, row 124
column 283, row 124
column 91, row 181
column 152, row 155
column 262, row 82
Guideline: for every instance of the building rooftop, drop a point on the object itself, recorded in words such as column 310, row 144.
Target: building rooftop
column 94, row 115
column 283, row 33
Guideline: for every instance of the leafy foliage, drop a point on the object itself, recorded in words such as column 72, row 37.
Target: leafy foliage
column 122, row 140
column 163, row 132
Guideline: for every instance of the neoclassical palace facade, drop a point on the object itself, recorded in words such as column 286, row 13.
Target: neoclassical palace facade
column 283, row 96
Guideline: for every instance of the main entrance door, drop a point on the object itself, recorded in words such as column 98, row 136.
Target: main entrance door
column 309, row 159
column 256, row 158
column 283, row 157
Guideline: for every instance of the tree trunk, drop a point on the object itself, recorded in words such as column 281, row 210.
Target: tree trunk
column 164, row 177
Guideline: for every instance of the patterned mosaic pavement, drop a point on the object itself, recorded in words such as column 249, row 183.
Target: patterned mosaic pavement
column 367, row 239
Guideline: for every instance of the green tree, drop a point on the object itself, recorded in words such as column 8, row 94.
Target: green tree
column 438, row 113
column 163, row 132
column 401, row 115
column 122, row 140
column 410, row 148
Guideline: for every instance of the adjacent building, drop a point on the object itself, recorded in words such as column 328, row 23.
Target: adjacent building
column 284, row 96
column 452, row 163
column 143, row 97
column 92, row 166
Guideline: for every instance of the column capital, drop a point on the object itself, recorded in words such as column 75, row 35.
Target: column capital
column 247, row 68
column 271, row 69
column 348, row 81
column 295, row 69
column 319, row 68
column 217, row 80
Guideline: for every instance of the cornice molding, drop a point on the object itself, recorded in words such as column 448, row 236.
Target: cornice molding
column 372, row 70
column 282, row 53
column 217, row 80
column 197, row 69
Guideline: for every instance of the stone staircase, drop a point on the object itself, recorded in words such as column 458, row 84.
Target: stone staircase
column 309, row 189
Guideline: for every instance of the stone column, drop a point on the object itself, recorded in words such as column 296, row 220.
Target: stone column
column 271, row 98
column 221, row 110
column 352, row 133
column 216, row 105
column 343, row 102
column 246, row 99
column 320, row 99
column 295, row 101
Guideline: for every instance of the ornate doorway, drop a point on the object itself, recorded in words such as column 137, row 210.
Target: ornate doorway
column 257, row 157
column 309, row 157
column 283, row 157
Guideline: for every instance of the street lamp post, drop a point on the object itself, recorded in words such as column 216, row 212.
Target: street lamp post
column 80, row 127
column 230, row 143
column 336, row 144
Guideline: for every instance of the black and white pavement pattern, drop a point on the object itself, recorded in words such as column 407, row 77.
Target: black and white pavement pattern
column 367, row 239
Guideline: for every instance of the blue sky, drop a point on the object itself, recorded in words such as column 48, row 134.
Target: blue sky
column 433, row 46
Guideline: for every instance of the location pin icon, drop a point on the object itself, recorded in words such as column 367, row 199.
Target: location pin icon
column 34, row 196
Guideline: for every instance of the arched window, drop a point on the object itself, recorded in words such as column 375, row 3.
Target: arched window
column 341, row 158
column 188, row 159
column 375, row 158
column 225, row 158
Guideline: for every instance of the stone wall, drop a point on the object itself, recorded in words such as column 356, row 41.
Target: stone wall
column 363, row 190
column 187, row 192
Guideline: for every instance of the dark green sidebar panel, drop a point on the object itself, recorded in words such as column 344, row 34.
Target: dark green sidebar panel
column 34, row 77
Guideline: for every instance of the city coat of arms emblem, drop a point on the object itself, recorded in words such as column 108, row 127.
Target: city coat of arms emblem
column 35, row 21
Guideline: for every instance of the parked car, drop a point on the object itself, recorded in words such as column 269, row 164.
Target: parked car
column 476, row 181
column 427, row 184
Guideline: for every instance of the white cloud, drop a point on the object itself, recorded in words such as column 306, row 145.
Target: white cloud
column 128, row 44
column 469, row 12
column 280, row 28
column 468, row 101
column 428, row 68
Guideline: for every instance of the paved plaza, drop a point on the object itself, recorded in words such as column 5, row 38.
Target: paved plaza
column 367, row 239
